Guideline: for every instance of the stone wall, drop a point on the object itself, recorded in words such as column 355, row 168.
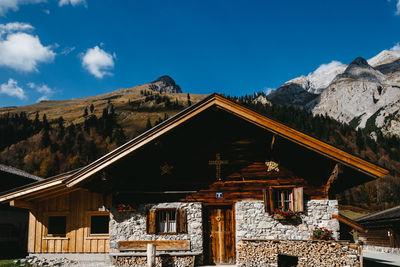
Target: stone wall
column 255, row 253
column 131, row 226
column 253, row 222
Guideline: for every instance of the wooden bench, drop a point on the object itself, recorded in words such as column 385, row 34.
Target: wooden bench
column 172, row 245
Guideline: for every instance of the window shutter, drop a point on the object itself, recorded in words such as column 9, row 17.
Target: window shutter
column 298, row 199
column 268, row 200
column 271, row 200
column 182, row 221
column 151, row 222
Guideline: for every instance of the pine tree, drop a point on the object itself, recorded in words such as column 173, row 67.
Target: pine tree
column 85, row 112
column 91, row 108
column 189, row 103
column 148, row 124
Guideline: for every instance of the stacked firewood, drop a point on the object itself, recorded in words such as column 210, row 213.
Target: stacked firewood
column 161, row 261
column 254, row 253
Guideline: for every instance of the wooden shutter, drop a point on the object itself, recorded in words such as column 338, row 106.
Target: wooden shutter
column 151, row 222
column 182, row 221
column 298, row 199
column 268, row 200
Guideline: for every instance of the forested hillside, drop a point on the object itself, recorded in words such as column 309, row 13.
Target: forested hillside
column 48, row 147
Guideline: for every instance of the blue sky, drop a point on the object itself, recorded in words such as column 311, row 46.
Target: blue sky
column 61, row 49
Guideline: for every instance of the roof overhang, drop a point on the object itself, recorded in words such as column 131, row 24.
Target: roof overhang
column 239, row 111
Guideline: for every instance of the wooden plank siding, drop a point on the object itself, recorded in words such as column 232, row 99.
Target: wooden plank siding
column 77, row 206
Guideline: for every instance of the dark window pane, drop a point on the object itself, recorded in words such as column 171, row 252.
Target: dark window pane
column 99, row 224
column 57, row 225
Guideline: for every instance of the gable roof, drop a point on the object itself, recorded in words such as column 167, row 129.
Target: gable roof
column 237, row 110
column 18, row 172
column 36, row 187
column 392, row 214
column 222, row 103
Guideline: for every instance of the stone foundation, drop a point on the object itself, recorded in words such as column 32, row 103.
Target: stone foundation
column 382, row 249
column 161, row 261
column 255, row 253
column 253, row 222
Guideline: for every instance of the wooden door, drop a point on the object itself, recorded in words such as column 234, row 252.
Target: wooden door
column 219, row 235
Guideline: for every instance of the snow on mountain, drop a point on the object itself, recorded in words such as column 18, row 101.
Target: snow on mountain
column 316, row 81
column 365, row 91
column 385, row 57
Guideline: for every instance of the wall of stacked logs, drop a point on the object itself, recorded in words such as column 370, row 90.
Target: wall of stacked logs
column 255, row 253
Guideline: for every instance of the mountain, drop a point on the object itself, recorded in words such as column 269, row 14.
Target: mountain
column 132, row 105
column 52, row 137
column 365, row 94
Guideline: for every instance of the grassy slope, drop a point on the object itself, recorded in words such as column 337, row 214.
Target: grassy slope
column 131, row 121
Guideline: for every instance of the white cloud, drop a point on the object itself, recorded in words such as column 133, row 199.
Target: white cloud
column 15, row 27
column 6, row 5
column 23, row 52
column 98, row 62
column 324, row 74
column 72, row 2
column 47, row 11
column 396, row 47
column 67, row 50
column 11, row 88
column 43, row 89
column 398, row 7
column 268, row 90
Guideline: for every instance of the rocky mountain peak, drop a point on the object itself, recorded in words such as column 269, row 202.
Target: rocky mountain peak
column 359, row 62
column 359, row 69
column 165, row 84
column 366, row 93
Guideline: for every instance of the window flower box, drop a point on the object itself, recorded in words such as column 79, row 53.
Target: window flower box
column 281, row 214
column 125, row 208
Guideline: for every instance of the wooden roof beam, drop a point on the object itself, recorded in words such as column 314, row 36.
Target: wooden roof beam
column 22, row 204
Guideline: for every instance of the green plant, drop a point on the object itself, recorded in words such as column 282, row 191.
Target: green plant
column 322, row 233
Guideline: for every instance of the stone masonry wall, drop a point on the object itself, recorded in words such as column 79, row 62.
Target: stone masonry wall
column 255, row 253
column 253, row 222
column 131, row 226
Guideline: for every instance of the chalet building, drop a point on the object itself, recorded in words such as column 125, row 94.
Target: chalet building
column 205, row 186
column 381, row 231
column 13, row 221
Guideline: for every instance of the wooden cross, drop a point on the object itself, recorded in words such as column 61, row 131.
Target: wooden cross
column 218, row 163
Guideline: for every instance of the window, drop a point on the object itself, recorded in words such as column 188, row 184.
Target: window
column 57, row 226
column 284, row 199
column 99, row 224
column 166, row 221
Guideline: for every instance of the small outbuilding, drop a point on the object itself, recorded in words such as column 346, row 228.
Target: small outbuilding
column 382, row 230
column 13, row 221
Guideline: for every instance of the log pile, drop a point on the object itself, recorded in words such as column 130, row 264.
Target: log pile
column 254, row 253
column 161, row 261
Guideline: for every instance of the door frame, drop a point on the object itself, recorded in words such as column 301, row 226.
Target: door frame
column 206, row 239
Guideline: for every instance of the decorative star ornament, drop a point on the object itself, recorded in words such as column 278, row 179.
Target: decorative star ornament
column 166, row 169
column 272, row 166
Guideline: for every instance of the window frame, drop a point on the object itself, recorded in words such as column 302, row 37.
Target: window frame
column 46, row 234
column 290, row 194
column 297, row 197
column 89, row 215
column 158, row 210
